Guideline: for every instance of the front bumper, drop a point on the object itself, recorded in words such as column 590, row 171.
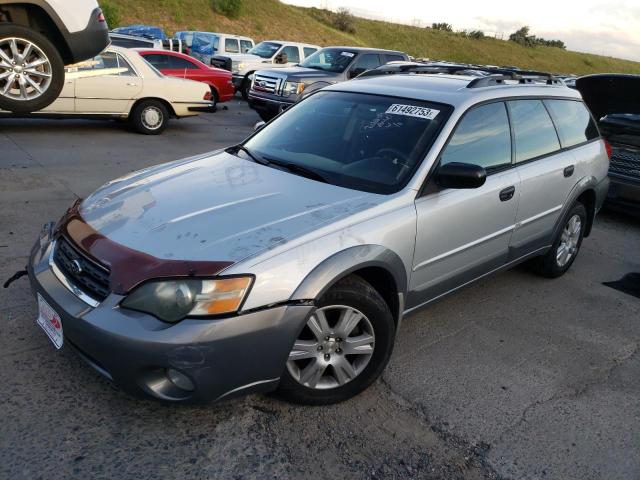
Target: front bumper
column 223, row 358
column 268, row 106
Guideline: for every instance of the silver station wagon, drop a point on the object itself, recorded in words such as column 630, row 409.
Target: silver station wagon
column 287, row 262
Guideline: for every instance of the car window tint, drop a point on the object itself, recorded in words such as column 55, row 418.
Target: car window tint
column 482, row 138
column 367, row 61
column 178, row 63
column 161, row 62
column 292, row 53
column 231, row 45
column 573, row 122
column 246, row 45
column 309, row 51
column 533, row 129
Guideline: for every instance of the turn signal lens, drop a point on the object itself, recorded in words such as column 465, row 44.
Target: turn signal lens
column 608, row 148
column 221, row 296
column 207, row 96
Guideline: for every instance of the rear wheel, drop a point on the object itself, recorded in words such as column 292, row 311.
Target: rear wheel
column 566, row 245
column 31, row 70
column 214, row 98
column 343, row 348
column 150, row 117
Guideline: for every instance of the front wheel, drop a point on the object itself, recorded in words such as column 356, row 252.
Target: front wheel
column 31, row 70
column 343, row 348
column 150, row 117
column 244, row 88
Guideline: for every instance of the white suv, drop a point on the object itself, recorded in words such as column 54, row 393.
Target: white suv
column 37, row 39
column 274, row 53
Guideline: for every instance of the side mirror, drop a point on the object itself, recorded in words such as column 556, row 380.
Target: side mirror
column 460, row 175
column 259, row 125
column 356, row 71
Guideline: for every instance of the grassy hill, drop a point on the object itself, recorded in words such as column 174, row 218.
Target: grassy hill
column 270, row 19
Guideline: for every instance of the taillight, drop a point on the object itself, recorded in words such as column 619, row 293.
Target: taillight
column 607, row 147
column 101, row 18
column 208, row 96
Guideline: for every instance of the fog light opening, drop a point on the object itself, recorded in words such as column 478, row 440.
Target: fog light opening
column 180, row 380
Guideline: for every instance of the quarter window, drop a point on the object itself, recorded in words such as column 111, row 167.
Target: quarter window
column 533, row 129
column 231, row 45
column 482, row 138
column 573, row 121
column 292, row 53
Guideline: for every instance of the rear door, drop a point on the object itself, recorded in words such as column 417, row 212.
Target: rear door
column 292, row 53
column 547, row 175
column 465, row 233
column 106, row 84
column 364, row 62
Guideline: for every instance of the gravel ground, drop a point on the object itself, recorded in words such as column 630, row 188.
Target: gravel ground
column 514, row 377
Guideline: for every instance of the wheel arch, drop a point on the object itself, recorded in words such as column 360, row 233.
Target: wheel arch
column 38, row 16
column 585, row 192
column 165, row 102
column 377, row 265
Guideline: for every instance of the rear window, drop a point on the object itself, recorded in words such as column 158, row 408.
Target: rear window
column 365, row 142
column 533, row 129
column 573, row 122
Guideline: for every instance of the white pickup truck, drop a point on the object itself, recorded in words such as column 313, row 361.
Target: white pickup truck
column 37, row 39
column 268, row 54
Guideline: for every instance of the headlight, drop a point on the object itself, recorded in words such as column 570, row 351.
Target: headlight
column 292, row 88
column 237, row 67
column 173, row 300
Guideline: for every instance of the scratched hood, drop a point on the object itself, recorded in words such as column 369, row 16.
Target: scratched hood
column 217, row 208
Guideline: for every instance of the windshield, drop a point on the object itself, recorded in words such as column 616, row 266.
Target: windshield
column 365, row 142
column 330, row 59
column 265, row 49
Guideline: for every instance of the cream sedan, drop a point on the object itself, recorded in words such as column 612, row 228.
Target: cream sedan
column 120, row 84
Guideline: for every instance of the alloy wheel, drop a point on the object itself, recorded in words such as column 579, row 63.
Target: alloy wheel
column 569, row 241
column 25, row 71
column 334, row 348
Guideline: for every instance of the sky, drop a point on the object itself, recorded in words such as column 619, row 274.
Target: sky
column 603, row 27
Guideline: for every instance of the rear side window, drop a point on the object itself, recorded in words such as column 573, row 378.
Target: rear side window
column 231, row 45
column 292, row 53
column 533, row 129
column 368, row 61
column 246, row 45
column 482, row 138
column 573, row 121
column 309, row 51
column 178, row 63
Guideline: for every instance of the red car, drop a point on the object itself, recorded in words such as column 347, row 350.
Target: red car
column 174, row 64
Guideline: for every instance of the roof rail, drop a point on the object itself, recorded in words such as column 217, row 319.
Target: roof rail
column 495, row 80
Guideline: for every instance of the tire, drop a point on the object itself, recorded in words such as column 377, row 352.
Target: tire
column 149, row 117
column 214, row 98
column 47, row 77
column 566, row 245
column 372, row 327
column 244, row 89
column 264, row 116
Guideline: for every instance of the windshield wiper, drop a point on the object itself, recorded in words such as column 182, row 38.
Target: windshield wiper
column 299, row 170
column 250, row 154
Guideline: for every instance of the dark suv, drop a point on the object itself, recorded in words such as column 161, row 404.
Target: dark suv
column 275, row 90
column 614, row 99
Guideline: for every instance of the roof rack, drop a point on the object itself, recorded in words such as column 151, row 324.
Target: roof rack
column 496, row 80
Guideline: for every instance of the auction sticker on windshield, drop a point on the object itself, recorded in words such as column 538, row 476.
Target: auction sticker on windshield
column 50, row 322
column 413, row 111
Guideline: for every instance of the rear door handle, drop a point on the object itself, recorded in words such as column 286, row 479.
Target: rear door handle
column 507, row 194
column 569, row 171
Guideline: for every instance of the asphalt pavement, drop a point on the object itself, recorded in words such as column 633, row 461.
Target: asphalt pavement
column 514, row 377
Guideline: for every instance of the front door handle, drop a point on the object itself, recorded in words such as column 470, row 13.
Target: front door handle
column 569, row 171
column 507, row 194
column 131, row 84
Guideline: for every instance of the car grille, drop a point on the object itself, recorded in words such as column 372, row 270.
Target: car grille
column 625, row 162
column 266, row 84
column 91, row 278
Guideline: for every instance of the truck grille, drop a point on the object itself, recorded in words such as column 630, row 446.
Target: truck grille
column 266, row 84
column 625, row 162
column 88, row 276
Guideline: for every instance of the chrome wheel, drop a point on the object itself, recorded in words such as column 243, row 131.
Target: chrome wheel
column 152, row 117
column 25, row 71
column 334, row 348
column 569, row 241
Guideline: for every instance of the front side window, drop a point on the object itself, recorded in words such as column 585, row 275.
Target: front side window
column 246, row 45
column 330, row 60
column 365, row 142
column 533, row 129
column 265, row 49
column 573, row 122
column 178, row 63
column 292, row 54
column 482, row 138
column 231, row 45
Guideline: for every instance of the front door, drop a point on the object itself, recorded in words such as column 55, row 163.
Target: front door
column 463, row 234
